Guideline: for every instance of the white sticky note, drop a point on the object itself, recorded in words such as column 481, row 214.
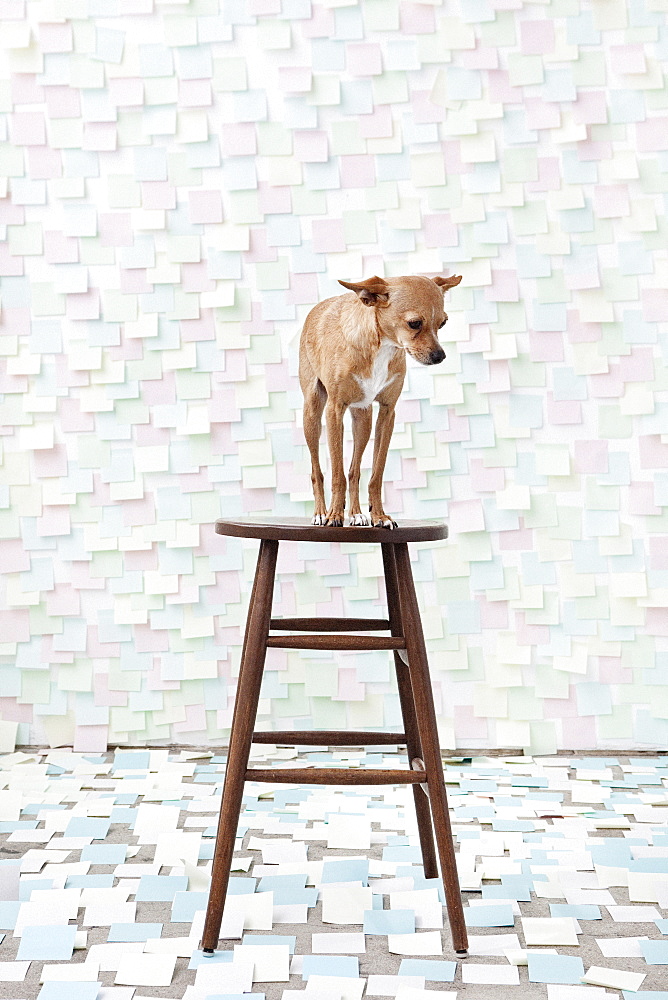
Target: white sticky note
column 495, row 975
column 347, row 987
column 271, row 963
column 145, row 970
column 427, row 943
column 345, row 904
column 549, row 930
column 13, row 972
column 338, row 944
column 614, row 979
column 237, row 974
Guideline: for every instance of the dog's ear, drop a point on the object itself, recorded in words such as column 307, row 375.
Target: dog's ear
column 447, row 283
column 372, row 292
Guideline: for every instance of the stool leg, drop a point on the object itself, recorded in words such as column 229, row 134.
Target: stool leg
column 413, row 745
column 241, row 733
column 424, row 705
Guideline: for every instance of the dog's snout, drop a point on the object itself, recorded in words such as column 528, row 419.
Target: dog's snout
column 436, row 356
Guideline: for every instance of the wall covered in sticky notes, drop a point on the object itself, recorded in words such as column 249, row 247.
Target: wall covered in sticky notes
column 179, row 185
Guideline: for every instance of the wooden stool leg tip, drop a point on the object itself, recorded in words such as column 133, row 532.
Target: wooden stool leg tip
column 462, row 954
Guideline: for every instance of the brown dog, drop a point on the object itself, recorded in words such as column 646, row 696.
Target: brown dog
column 353, row 351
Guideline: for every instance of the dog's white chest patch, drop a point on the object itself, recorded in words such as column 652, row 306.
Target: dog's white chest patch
column 378, row 379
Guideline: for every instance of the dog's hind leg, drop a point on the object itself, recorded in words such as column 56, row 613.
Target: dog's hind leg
column 315, row 397
column 361, row 433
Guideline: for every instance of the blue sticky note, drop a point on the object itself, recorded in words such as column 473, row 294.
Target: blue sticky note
column 218, row 957
column 133, row 932
column 662, row 924
column 89, row 881
column 554, row 968
column 87, row 826
column 489, row 916
column 330, row 965
column 356, row 870
column 389, row 921
column 270, row 882
column 655, row 952
column 434, row 969
column 69, row 991
column 645, row 995
column 581, row 911
column 160, row 888
column 186, row 904
column 105, row 854
column 404, row 854
column 124, row 761
column 54, row 943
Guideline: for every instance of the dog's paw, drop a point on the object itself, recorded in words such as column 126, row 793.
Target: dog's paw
column 359, row 519
column 383, row 521
column 334, row 519
column 319, row 519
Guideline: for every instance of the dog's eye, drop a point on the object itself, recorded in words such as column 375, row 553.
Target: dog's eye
column 415, row 324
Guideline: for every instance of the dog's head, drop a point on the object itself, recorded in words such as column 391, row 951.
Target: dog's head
column 409, row 311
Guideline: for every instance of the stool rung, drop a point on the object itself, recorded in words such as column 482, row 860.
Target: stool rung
column 330, row 624
column 336, row 642
column 330, row 738
column 335, row 776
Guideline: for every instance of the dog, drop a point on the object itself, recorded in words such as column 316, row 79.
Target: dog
column 352, row 352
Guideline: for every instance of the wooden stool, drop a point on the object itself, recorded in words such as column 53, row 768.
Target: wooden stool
column 417, row 705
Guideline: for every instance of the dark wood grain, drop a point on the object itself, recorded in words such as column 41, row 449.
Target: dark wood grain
column 408, row 714
column 243, row 723
column 329, row 624
column 334, row 776
column 330, row 738
column 298, row 529
column 431, row 750
column 335, row 642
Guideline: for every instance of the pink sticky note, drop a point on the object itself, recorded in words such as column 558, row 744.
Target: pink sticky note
column 27, row 128
column 641, row 499
column 537, row 37
column 628, row 59
column 591, row 456
column 358, row 171
column 83, row 305
column 239, row 139
column 591, row 108
column 90, row 739
column 56, row 37
column 611, row 201
column 195, row 94
column 546, row 346
column 416, row 19
column 63, row 101
column 504, row 288
column 206, row 206
column 15, row 625
column 378, row 125
column 310, row 146
column 654, row 302
column 125, row 92
column 541, row 114
column 115, row 229
column 658, row 552
column 295, row 79
column 466, row 515
column 328, row 236
column 653, row 453
column 364, row 59
column 485, row 480
column 100, row 136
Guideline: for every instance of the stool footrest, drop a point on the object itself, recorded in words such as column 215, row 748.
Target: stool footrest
column 330, row 738
column 336, row 642
column 335, row 776
column 330, row 624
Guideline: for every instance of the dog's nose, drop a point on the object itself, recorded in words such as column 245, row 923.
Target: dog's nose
column 436, row 356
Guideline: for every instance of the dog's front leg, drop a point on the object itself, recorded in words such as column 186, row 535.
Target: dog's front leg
column 361, row 434
column 334, row 417
column 382, row 435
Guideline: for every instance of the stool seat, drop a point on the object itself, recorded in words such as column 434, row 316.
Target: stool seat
column 420, row 730
column 297, row 529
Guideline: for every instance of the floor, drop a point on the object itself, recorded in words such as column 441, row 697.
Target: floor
column 104, row 875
